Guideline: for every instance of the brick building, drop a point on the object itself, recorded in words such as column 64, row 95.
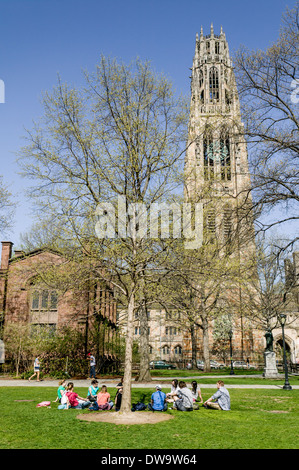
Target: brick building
column 25, row 298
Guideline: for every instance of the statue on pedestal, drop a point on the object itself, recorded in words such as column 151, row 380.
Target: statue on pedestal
column 269, row 340
column 270, row 370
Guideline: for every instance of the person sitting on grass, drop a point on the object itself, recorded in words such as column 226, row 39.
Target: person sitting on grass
column 184, row 399
column 93, row 390
column 221, row 398
column 173, row 391
column 158, row 400
column 60, row 390
column 196, row 392
column 74, row 401
column 103, row 399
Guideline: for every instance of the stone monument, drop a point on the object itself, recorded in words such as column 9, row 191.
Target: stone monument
column 270, row 370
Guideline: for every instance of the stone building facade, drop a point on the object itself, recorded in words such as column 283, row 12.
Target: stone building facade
column 24, row 299
column 216, row 174
column 291, row 309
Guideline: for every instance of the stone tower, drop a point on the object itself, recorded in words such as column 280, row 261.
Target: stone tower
column 216, row 164
column 217, row 174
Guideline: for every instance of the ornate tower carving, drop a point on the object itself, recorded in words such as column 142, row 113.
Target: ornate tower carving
column 216, row 165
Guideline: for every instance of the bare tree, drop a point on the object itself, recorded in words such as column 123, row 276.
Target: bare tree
column 268, row 84
column 97, row 155
column 7, row 207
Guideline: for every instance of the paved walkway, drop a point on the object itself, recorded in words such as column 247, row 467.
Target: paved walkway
column 167, row 380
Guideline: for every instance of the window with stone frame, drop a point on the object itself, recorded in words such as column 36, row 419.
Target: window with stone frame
column 214, row 84
column 38, row 329
column 209, row 218
column 208, row 154
column 44, row 299
column 200, row 79
column 171, row 330
column 227, row 228
column 178, row 350
column 43, row 309
column 225, row 155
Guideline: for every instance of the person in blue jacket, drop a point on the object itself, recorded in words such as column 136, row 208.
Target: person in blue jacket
column 158, row 400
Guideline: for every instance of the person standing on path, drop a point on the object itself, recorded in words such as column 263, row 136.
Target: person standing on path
column 92, row 370
column 36, row 369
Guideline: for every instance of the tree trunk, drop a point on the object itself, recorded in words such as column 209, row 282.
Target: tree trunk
column 193, row 345
column 126, row 397
column 206, row 349
column 144, row 372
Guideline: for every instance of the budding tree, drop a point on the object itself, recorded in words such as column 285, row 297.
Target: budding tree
column 100, row 157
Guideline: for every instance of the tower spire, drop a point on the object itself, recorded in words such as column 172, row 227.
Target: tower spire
column 212, row 30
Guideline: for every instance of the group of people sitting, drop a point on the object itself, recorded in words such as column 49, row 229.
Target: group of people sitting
column 96, row 399
column 180, row 397
column 186, row 399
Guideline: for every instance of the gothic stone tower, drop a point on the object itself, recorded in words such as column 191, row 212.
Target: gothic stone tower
column 216, row 164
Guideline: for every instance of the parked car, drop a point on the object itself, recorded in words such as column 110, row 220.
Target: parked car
column 161, row 365
column 242, row 365
column 216, row 365
column 200, row 365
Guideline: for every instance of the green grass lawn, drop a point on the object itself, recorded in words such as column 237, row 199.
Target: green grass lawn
column 252, row 378
column 259, row 419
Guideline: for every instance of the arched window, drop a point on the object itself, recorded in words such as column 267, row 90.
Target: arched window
column 200, row 78
column 214, row 84
column 225, row 155
column 208, row 152
column 165, row 349
column 178, row 350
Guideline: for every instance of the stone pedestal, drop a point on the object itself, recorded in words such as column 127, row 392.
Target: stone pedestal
column 270, row 370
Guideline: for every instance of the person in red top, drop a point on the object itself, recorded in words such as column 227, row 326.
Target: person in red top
column 73, row 399
column 103, row 399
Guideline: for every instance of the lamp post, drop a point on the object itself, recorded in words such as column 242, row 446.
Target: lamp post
column 286, row 386
column 232, row 372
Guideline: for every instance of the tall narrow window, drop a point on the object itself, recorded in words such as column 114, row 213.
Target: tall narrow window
column 217, row 49
column 211, row 221
column 214, row 84
column 208, row 153
column 225, row 156
column 200, row 78
column 209, row 224
column 227, row 228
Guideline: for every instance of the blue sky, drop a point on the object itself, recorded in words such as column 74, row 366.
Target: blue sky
column 41, row 38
